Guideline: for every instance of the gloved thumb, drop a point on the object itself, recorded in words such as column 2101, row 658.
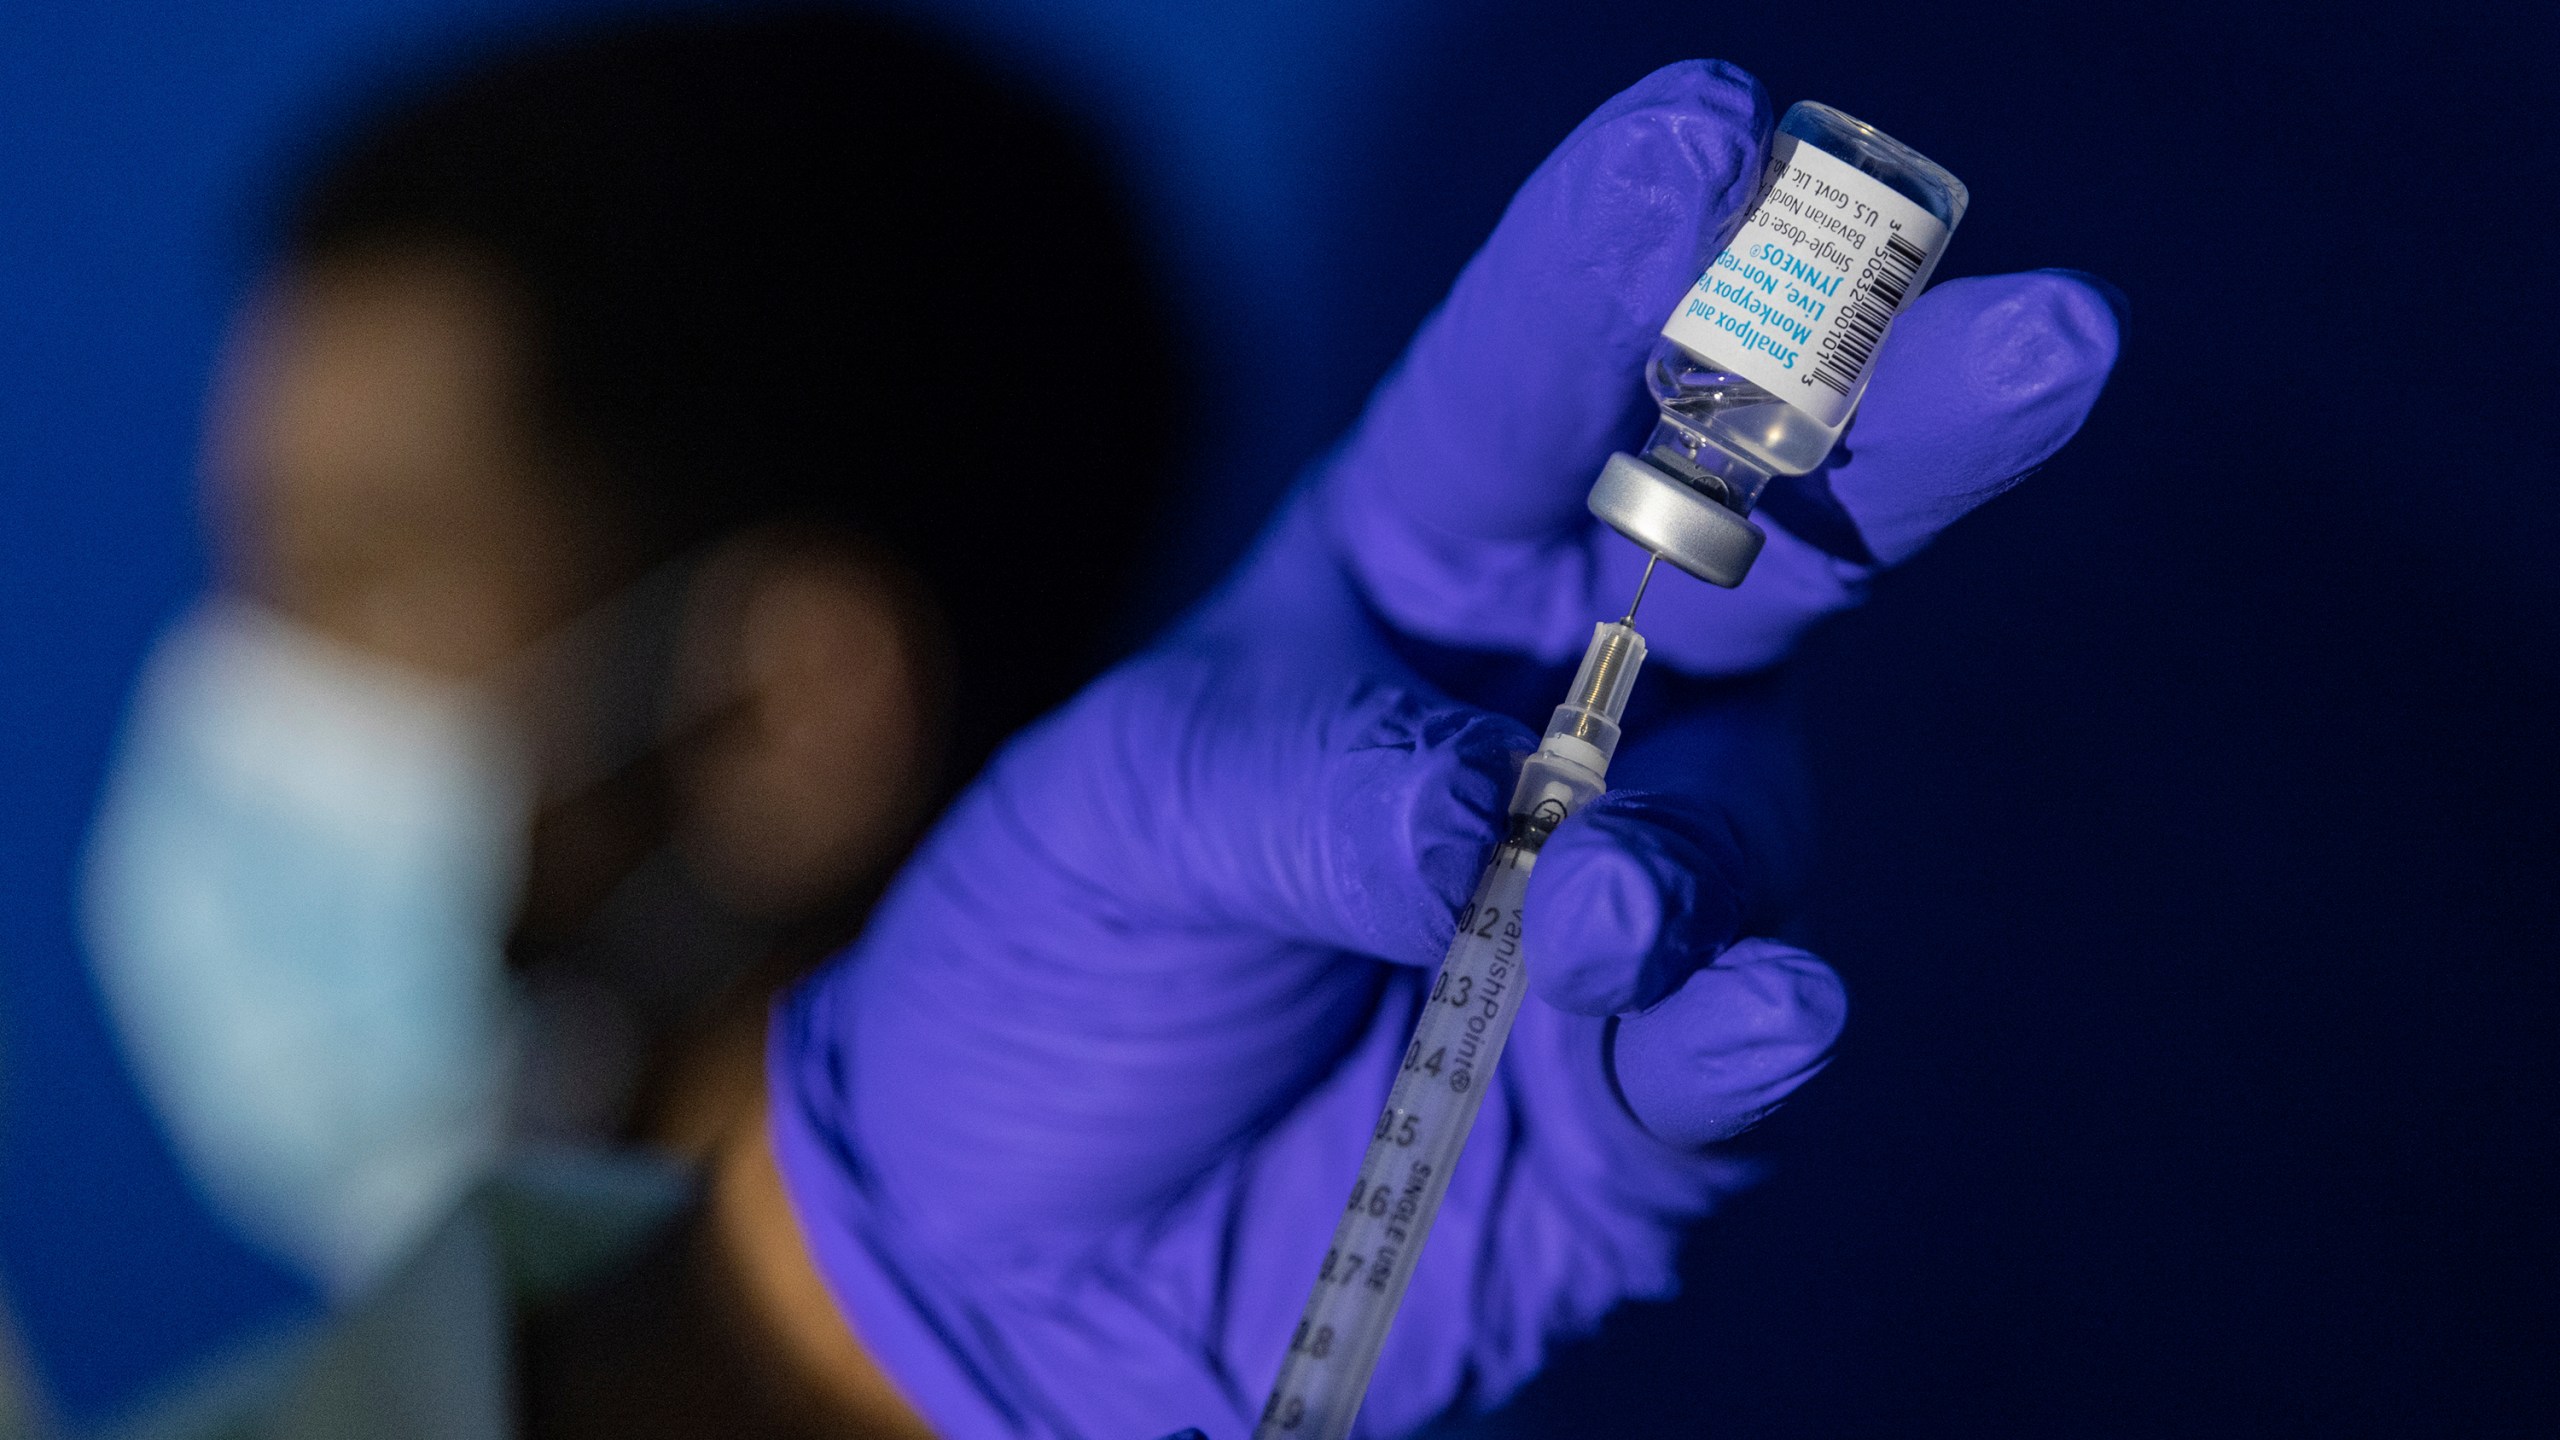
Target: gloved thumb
column 1514, row 390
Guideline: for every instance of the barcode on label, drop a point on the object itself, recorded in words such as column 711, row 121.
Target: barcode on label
column 1871, row 308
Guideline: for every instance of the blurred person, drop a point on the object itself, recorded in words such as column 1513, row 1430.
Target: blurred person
column 635, row 503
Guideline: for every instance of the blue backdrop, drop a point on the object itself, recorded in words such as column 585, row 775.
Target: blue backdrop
column 2190, row 833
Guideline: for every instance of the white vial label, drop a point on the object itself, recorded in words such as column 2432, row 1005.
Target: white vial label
column 1799, row 301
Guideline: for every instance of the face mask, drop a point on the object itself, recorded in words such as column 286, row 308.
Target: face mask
column 297, row 891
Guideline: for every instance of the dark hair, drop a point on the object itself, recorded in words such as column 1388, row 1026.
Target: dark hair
column 808, row 268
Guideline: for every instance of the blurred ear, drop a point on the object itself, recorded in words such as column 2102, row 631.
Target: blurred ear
column 819, row 755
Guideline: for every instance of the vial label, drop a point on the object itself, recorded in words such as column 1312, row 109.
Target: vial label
column 1798, row 303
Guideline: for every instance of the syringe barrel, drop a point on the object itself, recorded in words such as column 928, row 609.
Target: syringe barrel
column 1432, row 1104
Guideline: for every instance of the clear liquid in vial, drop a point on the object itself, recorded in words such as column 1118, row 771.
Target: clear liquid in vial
column 1721, row 428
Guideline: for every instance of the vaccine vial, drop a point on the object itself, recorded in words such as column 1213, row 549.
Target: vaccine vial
column 1759, row 369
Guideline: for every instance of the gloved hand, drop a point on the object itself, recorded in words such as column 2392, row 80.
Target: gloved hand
column 1068, row 1130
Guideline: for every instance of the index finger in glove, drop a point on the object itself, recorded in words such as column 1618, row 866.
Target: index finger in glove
column 1492, row 424
column 1979, row 384
column 1981, row 381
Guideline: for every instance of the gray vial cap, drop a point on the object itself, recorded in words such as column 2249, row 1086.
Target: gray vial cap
column 1676, row 522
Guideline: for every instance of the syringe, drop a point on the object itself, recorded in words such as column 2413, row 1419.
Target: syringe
column 1449, row 1065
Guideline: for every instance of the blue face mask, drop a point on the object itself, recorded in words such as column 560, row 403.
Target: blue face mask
column 296, row 895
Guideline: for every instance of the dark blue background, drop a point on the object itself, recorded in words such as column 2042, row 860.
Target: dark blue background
column 2190, row 842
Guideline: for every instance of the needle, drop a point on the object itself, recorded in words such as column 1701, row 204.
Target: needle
column 1649, row 563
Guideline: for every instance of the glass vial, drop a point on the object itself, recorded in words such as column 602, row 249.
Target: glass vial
column 1761, row 366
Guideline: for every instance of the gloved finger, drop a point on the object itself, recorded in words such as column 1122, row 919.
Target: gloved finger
column 1201, row 791
column 1981, row 381
column 1977, row 385
column 1632, row 895
column 1729, row 1044
column 1120, row 951
column 1512, row 393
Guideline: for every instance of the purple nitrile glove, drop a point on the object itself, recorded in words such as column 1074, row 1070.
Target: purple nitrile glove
column 1068, row 1130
